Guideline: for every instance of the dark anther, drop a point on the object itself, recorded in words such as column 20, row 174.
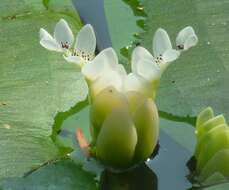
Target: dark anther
column 180, row 47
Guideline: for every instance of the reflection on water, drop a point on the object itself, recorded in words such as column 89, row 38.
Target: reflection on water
column 170, row 164
column 140, row 178
column 167, row 171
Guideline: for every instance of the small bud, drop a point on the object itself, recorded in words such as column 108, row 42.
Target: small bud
column 214, row 140
column 217, row 164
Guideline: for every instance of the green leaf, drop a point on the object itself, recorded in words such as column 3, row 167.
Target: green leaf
column 35, row 84
column 122, row 24
column 46, row 3
column 200, row 77
column 58, row 176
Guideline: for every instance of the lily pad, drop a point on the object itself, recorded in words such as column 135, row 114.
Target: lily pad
column 57, row 176
column 122, row 24
column 34, row 84
column 200, row 77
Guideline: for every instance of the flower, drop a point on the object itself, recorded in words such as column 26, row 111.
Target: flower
column 63, row 39
column 120, row 113
column 105, row 71
column 148, row 66
column 186, row 38
column 84, row 48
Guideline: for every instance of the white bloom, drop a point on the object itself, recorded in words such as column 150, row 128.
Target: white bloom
column 63, row 39
column 105, row 71
column 186, row 38
column 150, row 67
column 84, row 48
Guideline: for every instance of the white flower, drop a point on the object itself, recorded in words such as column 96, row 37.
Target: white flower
column 84, row 48
column 105, row 71
column 186, row 38
column 150, row 67
column 63, row 39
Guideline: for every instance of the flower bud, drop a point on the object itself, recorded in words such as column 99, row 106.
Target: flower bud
column 217, row 164
column 212, row 149
column 214, row 140
column 117, row 139
column 125, row 127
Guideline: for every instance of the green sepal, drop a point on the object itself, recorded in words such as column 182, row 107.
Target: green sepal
column 214, row 140
column 103, row 104
column 209, row 124
column 117, row 140
column 219, row 163
column 146, row 121
column 204, row 116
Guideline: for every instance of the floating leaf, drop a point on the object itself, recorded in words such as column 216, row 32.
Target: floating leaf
column 200, row 77
column 57, row 176
column 34, row 84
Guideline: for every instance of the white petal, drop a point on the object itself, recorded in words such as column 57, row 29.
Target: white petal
column 111, row 78
column 74, row 59
column 86, row 40
column 139, row 53
column 104, row 61
column 170, row 55
column 136, row 83
column 186, row 38
column 161, row 42
column 48, row 42
column 63, row 33
column 190, row 42
column 148, row 69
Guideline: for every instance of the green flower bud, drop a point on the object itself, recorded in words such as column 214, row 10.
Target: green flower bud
column 117, row 139
column 125, row 127
column 215, row 140
column 218, row 164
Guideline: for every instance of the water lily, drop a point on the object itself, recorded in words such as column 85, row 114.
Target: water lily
column 63, row 39
column 150, row 67
column 186, row 38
